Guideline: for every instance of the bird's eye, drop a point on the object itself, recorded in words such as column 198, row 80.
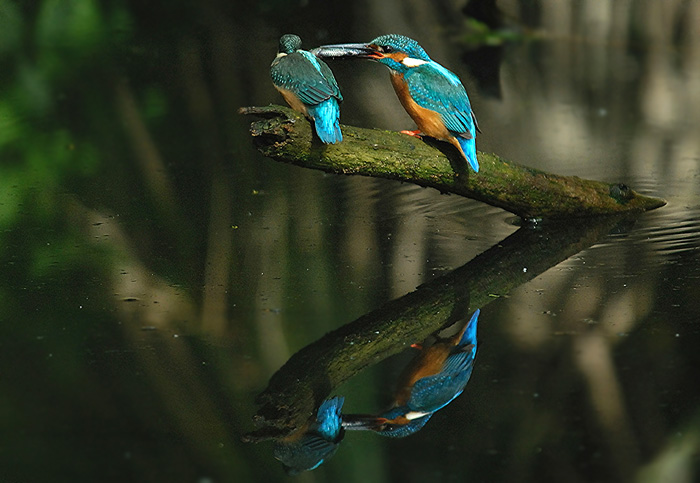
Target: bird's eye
column 387, row 49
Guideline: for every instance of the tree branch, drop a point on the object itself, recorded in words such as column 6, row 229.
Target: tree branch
column 285, row 135
column 314, row 372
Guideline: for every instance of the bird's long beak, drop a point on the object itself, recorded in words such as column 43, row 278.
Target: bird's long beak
column 362, row 422
column 342, row 51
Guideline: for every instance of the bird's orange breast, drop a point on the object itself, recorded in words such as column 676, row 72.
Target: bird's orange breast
column 429, row 362
column 293, row 101
column 429, row 122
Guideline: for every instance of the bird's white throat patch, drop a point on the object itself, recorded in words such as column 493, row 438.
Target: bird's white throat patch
column 411, row 415
column 411, row 62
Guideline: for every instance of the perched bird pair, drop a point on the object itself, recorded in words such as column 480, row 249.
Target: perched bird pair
column 433, row 96
column 433, row 379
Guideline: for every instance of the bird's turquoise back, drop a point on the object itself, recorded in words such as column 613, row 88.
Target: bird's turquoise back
column 328, row 417
column 309, row 79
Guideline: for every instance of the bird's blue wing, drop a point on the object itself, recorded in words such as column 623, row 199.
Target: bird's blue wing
column 434, row 392
column 304, row 455
column 308, row 77
column 434, row 87
column 327, row 74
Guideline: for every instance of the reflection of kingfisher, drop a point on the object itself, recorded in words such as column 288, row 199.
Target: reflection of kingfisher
column 315, row 443
column 432, row 95
column 433, row 379
column 308, row 86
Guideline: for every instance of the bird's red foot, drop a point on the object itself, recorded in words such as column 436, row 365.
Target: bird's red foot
column 415, row 134
column 417, row 346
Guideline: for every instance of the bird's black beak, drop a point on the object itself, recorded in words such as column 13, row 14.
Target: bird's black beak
column 362, row 422
column 344, row 51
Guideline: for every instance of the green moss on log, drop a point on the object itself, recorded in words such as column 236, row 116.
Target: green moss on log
column 287, row 136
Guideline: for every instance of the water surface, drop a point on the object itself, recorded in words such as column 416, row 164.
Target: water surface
column 157, row 270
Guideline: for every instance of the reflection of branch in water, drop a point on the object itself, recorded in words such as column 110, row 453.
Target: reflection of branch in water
column 310, row 375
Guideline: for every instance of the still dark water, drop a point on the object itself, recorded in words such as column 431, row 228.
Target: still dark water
column 157, row 271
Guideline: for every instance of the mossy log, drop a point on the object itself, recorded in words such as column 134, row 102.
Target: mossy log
column 285, row 135
column 314, row 372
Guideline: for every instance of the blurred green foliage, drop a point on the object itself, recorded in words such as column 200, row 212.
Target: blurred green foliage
column 42, row 47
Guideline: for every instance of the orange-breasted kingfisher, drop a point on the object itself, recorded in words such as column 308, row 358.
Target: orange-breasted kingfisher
column 308, row 86
column 433, row 96
column 313, row 444
column 433, row 379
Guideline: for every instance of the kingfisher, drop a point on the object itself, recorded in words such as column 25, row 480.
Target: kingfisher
column 433, row 379
column 316, row 442
column 308, row 86
column 432, row 95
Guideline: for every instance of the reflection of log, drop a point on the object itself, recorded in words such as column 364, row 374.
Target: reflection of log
column 311, row 374
column 285, row 135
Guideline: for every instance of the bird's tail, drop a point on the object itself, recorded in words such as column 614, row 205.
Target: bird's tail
column 328, row 416
column 469, row 336
column 326, row 117
column 469, row 149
